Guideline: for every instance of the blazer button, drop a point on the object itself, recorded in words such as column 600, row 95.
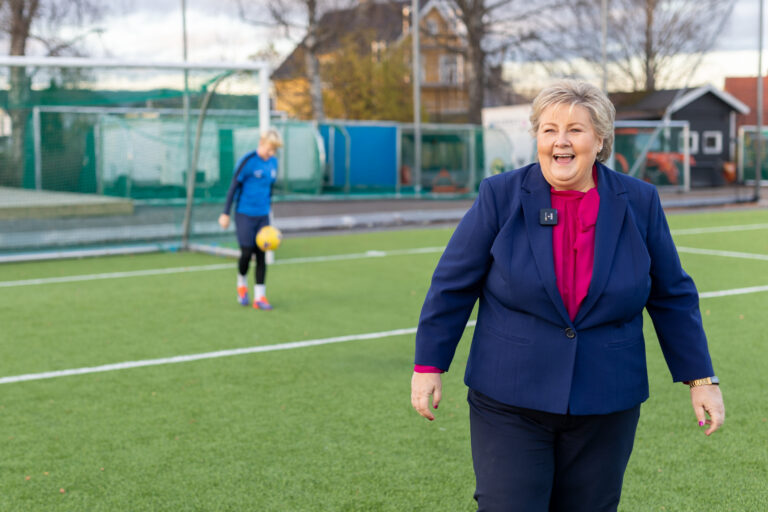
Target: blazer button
column 570, row 333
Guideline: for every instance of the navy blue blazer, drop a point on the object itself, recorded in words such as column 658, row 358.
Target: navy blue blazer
column 526, row 351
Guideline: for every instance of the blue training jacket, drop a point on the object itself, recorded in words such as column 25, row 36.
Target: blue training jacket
column 251, row 187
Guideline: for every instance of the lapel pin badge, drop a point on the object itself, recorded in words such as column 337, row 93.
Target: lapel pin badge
column 548, row 217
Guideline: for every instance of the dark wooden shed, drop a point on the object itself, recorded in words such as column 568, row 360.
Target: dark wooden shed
column 712, row 117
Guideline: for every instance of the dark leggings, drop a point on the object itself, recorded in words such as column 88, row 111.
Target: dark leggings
column 261, row 265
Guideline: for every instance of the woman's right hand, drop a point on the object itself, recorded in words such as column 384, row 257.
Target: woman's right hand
column 422, row 386
column 224, row 221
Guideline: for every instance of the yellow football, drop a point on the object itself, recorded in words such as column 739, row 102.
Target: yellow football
column 268, row 238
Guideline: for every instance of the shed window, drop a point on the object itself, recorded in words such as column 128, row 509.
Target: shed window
column 712, row 143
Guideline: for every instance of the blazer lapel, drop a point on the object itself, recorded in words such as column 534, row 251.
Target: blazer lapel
column 535, row 196
column 610, row 218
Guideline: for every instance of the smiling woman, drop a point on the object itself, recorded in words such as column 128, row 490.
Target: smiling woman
column 566, row 254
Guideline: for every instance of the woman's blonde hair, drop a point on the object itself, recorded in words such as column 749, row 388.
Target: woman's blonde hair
column 574, row 92
column 272, row 137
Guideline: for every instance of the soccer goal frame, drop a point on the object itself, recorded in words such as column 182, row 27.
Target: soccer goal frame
column 667, row 153
column 226, row 69
column 261, row 67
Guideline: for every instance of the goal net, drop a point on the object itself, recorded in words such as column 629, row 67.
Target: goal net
column 658, row 152
column 747, row 155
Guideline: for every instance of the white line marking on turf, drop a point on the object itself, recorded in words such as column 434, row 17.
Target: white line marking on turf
column 280, row 346
column 113, row 275
column 208, row 355
column 735, row 291
column 218, row 266
column 718, row 229
column 729, row 254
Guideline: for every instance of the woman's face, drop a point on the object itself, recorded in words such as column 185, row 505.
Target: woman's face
column 266, row 150
column 568, row 146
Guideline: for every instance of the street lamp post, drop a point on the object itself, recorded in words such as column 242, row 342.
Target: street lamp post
column 759, row 145
column 416, row 97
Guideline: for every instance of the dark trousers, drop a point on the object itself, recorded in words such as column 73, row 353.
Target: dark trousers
column 533, row 461
column 247, row 227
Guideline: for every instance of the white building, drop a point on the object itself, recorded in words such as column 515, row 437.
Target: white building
column 513, row 120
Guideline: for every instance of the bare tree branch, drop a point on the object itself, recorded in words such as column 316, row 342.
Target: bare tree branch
column 645, row 37
column 19, row 18
column 494, row 28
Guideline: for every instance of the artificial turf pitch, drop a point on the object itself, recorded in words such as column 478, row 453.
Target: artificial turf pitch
column 326, row 427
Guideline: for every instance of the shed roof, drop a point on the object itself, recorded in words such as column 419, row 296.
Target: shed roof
column 653, row 105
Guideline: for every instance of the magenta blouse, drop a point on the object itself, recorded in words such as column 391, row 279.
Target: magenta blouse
column 573, row 243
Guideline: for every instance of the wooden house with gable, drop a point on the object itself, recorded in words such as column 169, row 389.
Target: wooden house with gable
column 443, row 85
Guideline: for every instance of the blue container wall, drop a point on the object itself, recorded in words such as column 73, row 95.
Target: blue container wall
column 336, row 155
column 373, row 157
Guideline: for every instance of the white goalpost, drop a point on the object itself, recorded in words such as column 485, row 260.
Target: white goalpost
column 655, row 151
column 65, row 129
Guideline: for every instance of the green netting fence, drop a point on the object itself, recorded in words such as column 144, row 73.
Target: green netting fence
column 123, row 132
column 141, row 153
column 747, row 148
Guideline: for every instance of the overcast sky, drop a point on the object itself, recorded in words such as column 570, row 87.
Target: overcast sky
column 152, row 29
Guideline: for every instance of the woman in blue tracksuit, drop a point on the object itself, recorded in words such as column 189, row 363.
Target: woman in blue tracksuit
column 251, row 191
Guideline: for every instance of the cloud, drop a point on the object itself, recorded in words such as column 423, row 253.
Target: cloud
column 741, row 31
column 156, row 34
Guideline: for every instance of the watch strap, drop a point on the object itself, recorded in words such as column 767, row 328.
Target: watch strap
column 706, row 381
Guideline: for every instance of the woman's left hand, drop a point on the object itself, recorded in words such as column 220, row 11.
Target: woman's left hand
column 708, row 400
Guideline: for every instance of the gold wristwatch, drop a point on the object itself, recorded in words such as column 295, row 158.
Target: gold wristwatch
column 704, row 382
